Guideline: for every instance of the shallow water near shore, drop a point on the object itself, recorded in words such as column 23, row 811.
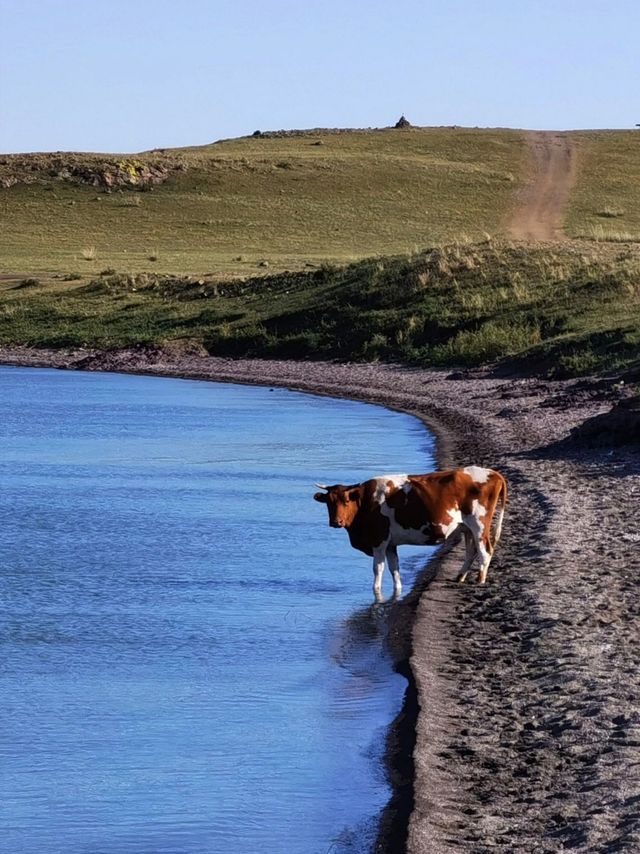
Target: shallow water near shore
column 192, row 662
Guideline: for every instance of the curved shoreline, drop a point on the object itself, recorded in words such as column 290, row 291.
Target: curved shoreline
column 527, row 698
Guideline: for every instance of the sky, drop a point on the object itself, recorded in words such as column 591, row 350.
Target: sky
column 110, row 75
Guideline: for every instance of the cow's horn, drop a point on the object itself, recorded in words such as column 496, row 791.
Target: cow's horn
column 321, row 485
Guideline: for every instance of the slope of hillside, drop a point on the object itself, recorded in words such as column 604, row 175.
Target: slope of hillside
column 553, row 308
column 282, row 199
column 605, row 201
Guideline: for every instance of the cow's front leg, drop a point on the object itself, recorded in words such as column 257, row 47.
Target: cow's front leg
column 394, row 567
column 378, row 571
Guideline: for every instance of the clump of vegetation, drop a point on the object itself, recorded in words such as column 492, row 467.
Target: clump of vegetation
column 27, row 283
column 610, row 235
column 610, row 213
column 132, row 202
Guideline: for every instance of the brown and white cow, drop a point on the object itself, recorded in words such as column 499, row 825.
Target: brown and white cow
column 420, row 510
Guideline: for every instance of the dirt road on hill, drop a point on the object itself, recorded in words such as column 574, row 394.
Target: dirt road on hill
column 542, row 203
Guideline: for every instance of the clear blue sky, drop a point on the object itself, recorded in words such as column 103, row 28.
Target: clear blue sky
column 109, row 75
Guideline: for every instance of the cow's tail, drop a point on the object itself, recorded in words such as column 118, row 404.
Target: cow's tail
column 502, row 500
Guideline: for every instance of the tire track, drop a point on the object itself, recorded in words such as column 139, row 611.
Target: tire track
column 542, row 203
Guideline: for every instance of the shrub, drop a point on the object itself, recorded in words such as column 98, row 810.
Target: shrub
column 575, row 364
column 486, row 343
column 610, row 213
column 27, row 283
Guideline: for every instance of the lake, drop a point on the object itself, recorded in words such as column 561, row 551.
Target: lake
column 191, row 658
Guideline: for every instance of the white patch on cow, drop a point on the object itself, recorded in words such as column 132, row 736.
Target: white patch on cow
column 474, row 521
column 382, row 488
column 449, row 527
column 478, row 510
column 477, row 474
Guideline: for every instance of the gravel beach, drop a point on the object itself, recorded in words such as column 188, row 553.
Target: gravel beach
column 527, row 690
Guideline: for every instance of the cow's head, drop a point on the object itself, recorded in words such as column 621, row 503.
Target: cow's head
column 343, row 502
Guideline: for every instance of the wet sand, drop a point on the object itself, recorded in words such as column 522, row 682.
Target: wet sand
column 522, row 723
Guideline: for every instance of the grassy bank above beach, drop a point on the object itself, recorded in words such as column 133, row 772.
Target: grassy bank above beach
column 559, row 310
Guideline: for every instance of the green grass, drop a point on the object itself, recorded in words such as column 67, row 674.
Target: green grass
column 605, row 201
column 557, row 310
column 284, row 200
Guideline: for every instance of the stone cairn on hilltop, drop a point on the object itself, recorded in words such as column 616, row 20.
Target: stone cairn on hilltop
column 402, row 123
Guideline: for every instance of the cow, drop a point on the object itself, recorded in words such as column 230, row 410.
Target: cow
column 385, row 512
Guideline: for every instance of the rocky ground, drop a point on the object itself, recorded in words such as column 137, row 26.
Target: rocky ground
column 527, row 689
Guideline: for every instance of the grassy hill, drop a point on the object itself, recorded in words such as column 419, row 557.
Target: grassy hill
column 285, row 199
column 255, row 246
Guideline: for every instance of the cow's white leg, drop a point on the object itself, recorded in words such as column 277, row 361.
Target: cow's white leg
column 485, row 560
column 475, row 524
column 378, row 570
column 469, row 556
column 394, row 567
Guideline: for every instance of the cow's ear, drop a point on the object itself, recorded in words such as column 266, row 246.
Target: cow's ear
column 354, row 495
column 322, row 497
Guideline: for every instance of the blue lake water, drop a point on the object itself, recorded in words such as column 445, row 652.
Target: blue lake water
column 190, row 658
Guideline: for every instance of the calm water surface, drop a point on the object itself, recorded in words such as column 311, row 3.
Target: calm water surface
column 190, row 659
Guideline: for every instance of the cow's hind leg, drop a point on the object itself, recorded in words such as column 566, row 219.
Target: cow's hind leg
column 469, row 556
column 482, row 542
column 378, row 571
column 485, row 552
column 394, row 567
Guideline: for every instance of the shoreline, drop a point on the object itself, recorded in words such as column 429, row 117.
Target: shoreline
column 523, row 696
